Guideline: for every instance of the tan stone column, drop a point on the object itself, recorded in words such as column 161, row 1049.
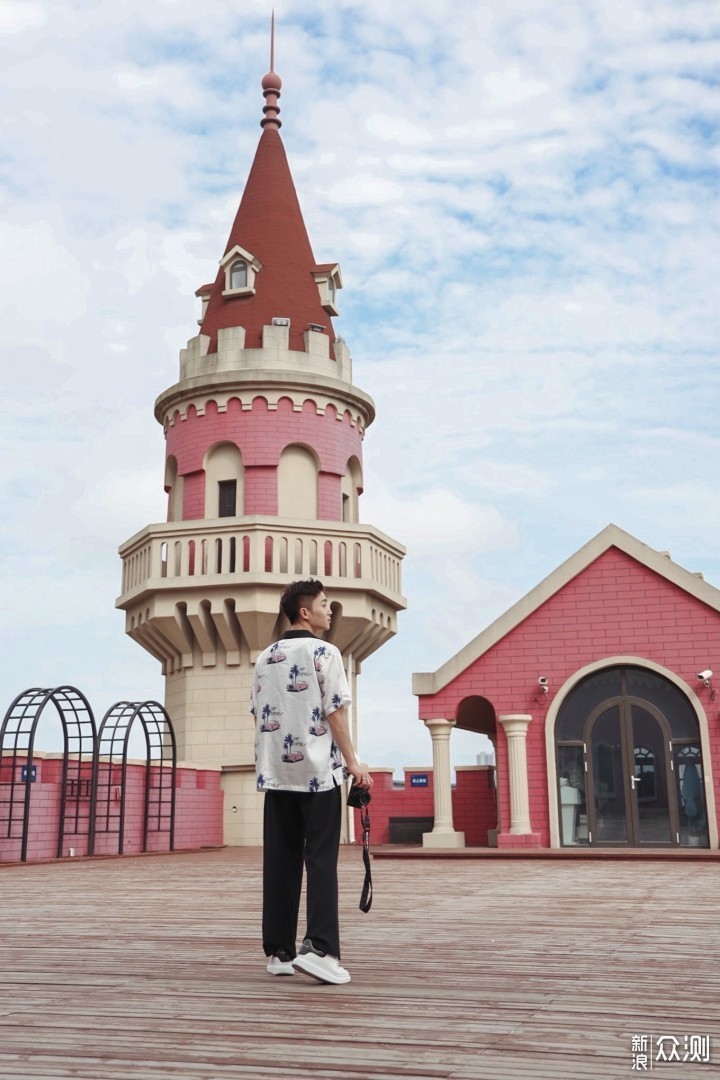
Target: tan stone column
column 443, row 834
column 516, row 725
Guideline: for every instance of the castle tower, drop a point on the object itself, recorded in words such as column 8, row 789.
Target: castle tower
column 264, row 433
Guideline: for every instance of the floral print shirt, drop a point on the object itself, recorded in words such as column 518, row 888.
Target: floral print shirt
column 299, row 681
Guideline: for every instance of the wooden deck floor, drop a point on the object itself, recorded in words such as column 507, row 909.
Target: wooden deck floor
column 150, row 969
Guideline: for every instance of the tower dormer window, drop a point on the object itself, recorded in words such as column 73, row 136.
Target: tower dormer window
column 204, row 292
column 241, row 269
column 238, row 274
column 329, row 280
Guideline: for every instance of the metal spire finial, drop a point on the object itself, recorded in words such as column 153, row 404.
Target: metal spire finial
column 271, row 85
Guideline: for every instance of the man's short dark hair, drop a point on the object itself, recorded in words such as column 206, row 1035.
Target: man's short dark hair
column 296, row 594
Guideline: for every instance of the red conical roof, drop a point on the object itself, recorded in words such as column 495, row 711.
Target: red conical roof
column 269, row 225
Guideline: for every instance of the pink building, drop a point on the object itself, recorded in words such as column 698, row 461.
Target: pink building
column 597, row 692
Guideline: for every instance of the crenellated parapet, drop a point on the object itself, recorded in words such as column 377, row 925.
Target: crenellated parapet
column 271, row 374
column 275, row 354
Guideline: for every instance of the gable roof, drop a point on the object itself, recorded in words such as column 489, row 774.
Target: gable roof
column 427, row 683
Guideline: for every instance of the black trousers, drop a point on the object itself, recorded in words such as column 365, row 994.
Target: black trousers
column 301, row 828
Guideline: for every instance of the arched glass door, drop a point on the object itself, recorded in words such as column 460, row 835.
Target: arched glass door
column 629, row 763
column 631, row 796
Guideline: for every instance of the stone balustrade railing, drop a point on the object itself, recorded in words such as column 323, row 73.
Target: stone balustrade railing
column 230, row 548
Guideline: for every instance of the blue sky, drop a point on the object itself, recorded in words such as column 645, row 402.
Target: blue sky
column 523, row 199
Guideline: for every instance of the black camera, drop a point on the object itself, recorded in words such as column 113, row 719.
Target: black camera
column 358, row 797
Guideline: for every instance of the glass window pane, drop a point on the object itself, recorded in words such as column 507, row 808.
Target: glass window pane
column 583, row 699
column 650, row 779
column 571, row 783
column 238, row 275
column 690, row 781
column 227, row 498
column 671, row 702
column 608, row 779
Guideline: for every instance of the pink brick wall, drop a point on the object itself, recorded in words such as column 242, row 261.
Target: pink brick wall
column 194, row 496
column 614, row 607
column 329, row 497
column 389, row 801
column 198, row 813
column 261, row 493
column 473, row 804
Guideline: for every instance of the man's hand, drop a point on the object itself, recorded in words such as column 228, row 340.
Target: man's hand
column 360, row 774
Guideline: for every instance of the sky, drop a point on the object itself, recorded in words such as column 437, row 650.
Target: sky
column 522, row 196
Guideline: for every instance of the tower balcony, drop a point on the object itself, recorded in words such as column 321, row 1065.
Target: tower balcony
column 207, row 592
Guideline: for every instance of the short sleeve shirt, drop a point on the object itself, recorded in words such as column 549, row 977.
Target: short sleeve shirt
column 299, row 681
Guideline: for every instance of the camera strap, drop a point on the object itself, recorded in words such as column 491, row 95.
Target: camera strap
column 366, row 895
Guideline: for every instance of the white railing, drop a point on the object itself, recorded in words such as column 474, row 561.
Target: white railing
column 231, row 549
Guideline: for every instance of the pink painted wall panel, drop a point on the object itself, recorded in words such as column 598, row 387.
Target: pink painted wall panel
column 198, row 813
column 389, row 801
column 473, row 800
column 473, row 804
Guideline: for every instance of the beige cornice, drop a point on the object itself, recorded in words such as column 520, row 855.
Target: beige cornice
column 257, row 380
column 426, row 683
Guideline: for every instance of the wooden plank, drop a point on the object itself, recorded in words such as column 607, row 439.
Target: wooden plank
column 151, row 969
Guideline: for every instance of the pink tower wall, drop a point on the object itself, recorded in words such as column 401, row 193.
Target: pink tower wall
column 616, row 606
column 261, row 494
column 261, row 435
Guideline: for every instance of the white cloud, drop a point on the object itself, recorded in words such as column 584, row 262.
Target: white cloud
column 39, row 264
column 397, row 130
column 365, row 190
column 19, row 15
column 439, row 522
column 116, row 505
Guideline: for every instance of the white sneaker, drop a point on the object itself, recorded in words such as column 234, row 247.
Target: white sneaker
column 321, row 966
column 280, row 964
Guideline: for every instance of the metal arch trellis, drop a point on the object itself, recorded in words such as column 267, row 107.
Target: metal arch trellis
column 79, row 775
column 160, row 770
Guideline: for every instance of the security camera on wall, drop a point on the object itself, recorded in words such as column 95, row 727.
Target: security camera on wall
column 705, row 676
column 544, row 683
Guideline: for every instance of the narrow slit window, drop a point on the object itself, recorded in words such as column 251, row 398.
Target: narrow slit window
column 227, row 498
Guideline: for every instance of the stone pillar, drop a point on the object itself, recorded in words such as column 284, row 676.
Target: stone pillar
column 516, row 725
column 443, row 834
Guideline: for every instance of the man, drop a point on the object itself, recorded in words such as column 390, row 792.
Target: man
column 299, row 699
